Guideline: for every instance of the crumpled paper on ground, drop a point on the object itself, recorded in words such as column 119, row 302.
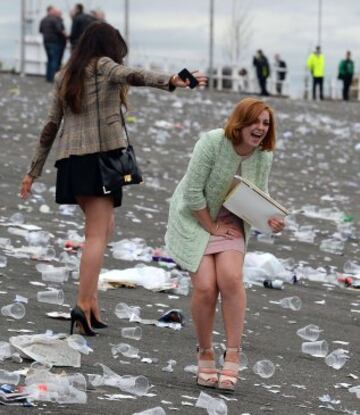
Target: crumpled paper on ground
column 46, row 349
column 151, row 278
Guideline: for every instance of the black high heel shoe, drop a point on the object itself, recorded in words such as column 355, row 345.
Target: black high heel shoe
column 78, row 319
column 97, row 324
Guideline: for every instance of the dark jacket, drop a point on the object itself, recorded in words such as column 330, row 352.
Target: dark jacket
column 262, row 66
column 79, row 134
column 51, row 27
column 346, row 69
column 80, row 22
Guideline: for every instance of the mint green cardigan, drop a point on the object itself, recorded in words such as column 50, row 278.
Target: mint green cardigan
column 208, row 178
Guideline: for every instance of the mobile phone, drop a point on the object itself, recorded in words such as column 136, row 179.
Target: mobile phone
column 185, row 75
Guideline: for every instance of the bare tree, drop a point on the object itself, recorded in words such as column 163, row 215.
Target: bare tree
column 238, row 33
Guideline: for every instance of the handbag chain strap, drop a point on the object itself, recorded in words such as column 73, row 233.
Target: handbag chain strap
column 98, row 113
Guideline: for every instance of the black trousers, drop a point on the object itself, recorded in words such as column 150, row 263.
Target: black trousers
column 262, row 84
column 346, row 87
column 318, row 81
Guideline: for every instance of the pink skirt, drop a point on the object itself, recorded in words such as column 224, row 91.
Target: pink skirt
column 220, row 243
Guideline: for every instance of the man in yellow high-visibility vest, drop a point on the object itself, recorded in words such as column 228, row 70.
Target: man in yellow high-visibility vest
column 316, row 65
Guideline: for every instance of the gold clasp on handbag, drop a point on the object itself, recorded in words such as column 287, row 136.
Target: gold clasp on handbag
column 127, row 178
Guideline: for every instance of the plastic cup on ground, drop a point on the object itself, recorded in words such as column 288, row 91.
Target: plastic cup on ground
column 78, row 342
column 3, row 261
column 51, row 297
column 152, row 411
column 56, row 275
column 356, row 390
column 134, row 333
column 4, row 242
column 126, row 350
column 336, row 359
column 77, row 381
column 122, row 311
column 9, row 377
column 5, row 350
column 17, row 218
column 310, row 332
column 264, row 368
column 15, row 310
column 317, row 349
column 293, row 303
column 215, row 405
column 138, row 385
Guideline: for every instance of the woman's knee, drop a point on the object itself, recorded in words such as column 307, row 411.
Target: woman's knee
column 231, row 282
column 205, row 293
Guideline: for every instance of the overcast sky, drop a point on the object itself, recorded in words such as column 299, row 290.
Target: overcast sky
column 178, row 30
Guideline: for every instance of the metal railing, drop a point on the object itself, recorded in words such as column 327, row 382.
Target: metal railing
column 231, row 79
column 225, row 78
column 333, row 88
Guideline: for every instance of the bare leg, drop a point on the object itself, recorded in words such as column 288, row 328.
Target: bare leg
column 98, row 223
column 229, row 271
column 203, row 303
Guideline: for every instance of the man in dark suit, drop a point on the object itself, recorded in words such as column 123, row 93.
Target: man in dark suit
column 52, row 29
column 80, row 21
column 262, row 71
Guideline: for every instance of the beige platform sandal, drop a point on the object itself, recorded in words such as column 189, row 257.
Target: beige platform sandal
column 229, row 373
column 207, row 374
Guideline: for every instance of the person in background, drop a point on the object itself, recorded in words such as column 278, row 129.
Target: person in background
column 52, row 29
column 80, row 21
column 98, row 14
column 262, row 67
column 96, row 64
column 346, row 72
column 209, row 241
column 63, row 39
column 316, row 65
column 280, row 72
column 244, row 80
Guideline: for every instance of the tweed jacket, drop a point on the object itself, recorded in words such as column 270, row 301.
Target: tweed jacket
column 206, row 183
column 79, row 133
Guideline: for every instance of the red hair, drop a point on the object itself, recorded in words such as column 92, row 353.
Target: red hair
column 246, row 113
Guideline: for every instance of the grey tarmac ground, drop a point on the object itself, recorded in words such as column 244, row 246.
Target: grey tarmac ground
column 316, row 163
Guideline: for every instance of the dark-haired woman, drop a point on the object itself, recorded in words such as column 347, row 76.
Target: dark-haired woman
column 87, row 96
column 209, row 241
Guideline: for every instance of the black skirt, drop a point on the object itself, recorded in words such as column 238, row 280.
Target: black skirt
column 80, row 176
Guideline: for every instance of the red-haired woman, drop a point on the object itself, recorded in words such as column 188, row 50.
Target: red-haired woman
column 209, row 241
column 87, row 96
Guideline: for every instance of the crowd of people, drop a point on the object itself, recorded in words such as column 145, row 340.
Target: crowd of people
column 55, row 37
column 316, row 66
column 55, row 40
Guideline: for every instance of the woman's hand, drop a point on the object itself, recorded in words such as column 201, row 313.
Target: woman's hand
column 276, row 224
column 177, row 82
column 226, row 230
column 25, row 189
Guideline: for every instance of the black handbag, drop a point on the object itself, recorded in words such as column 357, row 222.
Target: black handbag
column 118, row 167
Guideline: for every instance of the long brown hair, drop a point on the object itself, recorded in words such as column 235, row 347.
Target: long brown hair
column 99, row 39
column 246, row 113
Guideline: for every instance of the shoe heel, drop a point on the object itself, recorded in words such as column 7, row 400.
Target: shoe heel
column 72, row 326
column 97, row 324
column 207, row 374
column 78, row 317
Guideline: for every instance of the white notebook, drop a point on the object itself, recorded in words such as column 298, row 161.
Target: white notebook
column 253, row 205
